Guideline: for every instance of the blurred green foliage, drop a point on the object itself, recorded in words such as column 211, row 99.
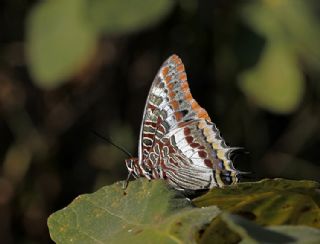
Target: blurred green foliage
column 59, row 41
column 67, row 67
column 117, row 17
column 62, row 35
column 278, row 74
column 292, row 33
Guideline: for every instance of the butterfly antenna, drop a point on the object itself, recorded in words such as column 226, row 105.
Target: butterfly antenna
column 112, row 143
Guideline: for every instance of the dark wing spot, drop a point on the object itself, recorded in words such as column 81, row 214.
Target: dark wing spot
column 189, row 139
column 184, row 112
column 147, row 142
column 194, row 145
column 186, row 131
column 202, row 154
column 208, row 163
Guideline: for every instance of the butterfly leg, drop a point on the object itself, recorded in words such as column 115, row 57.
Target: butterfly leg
column 125, row 184
column 145, row 173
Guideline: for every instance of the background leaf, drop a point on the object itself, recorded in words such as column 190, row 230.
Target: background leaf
column 148, row 211
column 62, row 35
column 275, row 83
column 295, row 22
column 120, row 16
column 59, row 41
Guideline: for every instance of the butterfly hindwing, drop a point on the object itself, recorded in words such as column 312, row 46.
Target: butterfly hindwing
column 205, row 155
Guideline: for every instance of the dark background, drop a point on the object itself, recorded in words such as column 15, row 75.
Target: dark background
column 48, row 154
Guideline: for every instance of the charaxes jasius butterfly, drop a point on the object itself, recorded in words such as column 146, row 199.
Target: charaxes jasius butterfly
column 178, row 142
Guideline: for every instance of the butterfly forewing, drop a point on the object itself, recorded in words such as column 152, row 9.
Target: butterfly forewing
column 178, row 141
column 169, row 103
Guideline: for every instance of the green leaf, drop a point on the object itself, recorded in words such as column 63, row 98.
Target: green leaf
column 60, row 41
column 62, row 35
column 252, row 233
column 276, row 82
column 148, row 211
column 269, row 202
column 121, row 16
column 295, row 22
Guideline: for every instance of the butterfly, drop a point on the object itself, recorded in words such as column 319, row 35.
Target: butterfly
column 178, row 142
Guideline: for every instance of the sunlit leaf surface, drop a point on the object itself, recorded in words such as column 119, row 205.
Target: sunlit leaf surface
column 148, row 212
